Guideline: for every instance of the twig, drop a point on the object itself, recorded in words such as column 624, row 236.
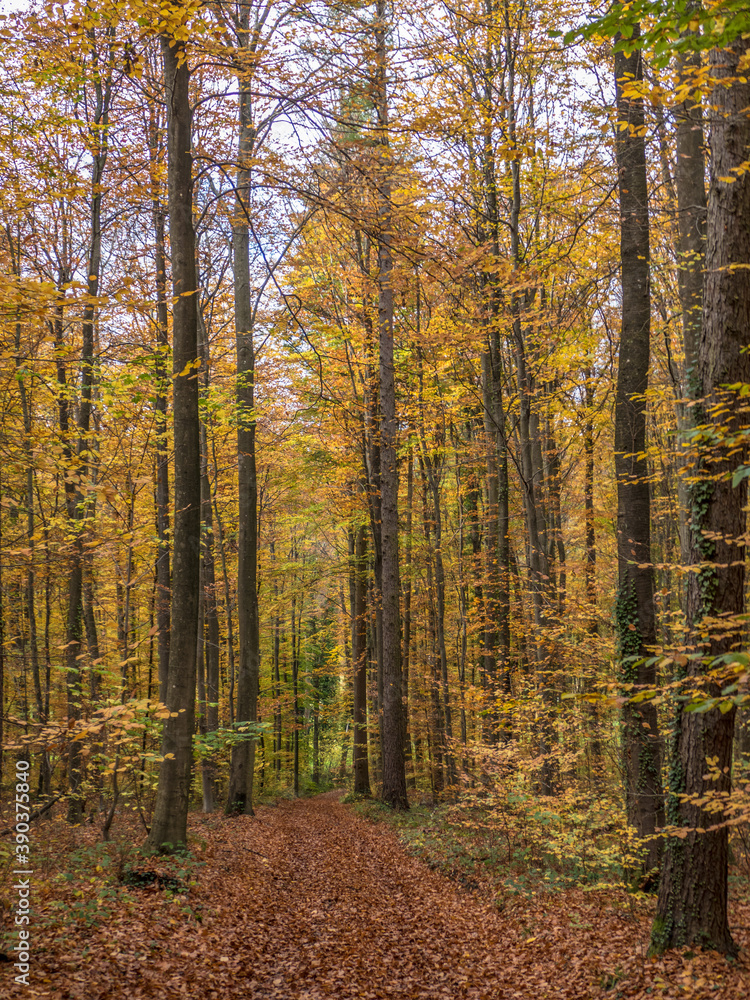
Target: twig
column 36, row 815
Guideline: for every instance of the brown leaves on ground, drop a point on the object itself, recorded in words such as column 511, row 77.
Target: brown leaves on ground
column 306, row 901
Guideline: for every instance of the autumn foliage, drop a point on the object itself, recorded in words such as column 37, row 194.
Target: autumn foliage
column 374, row 416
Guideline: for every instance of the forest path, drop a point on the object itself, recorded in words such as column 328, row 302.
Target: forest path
column 309, row 901
column 347, row 913
column 322, row 904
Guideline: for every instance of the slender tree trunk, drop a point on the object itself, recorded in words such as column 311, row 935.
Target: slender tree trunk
column 374, row 742
column 200, row 657
column 73, row 616
column 227, row 589
column 497, row 608
column 44, row 769
column 276, row 677
column 432, row 659
column 636, row 625
column 359, row 661
column 295, row 636
column 163, row 579
column 407, row 622
column 588, row 499
column 77, row 501
column 209, row 638
column 169, row 827
column 2, row 639
column 591, row 708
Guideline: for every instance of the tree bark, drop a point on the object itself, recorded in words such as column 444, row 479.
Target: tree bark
column 359, row 661
column 163, row 576
column 636, row 626
column 692, row 906
column 240, row 798
column 394, row 771
column 169, row 828
column 209, row 638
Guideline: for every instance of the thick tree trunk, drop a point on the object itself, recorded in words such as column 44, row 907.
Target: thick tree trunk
column 690, row 169
column 636, row 626
column 169, row 827
column 692, row 907
column 240, row 798
column 394, row 772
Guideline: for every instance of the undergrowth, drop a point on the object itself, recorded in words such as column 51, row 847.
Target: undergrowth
column 79, row 882
column 517, row 844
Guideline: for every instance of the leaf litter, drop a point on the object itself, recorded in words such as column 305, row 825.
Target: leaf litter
column 309, row 901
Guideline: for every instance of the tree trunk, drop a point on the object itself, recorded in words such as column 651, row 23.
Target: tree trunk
column 169, row 827
column 437, row 726
column 636, row 626
column 407, row 622
column 227, row 590
column 163, row 579
column 240, row 798
column 359, row 661
column 692, row 907
column 2, row 641
column 276, row 677
column 44, row 769
column 394, row 771
column 588, row 501
column 690, row 184
column 200, row 656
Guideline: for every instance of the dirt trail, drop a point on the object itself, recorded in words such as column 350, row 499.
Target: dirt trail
column 306, row 901
column 319, row 904
column 355, row 916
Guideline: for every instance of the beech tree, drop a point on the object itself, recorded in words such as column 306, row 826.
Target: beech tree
column 692, row 906
column 169, row 827
column 636, row 626
column 394, row 774
column 434, row 321
column 243, row 758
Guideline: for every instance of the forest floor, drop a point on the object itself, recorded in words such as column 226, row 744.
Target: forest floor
column 310, row 900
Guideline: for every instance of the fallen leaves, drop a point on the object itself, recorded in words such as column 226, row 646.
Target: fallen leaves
column 306, row 901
